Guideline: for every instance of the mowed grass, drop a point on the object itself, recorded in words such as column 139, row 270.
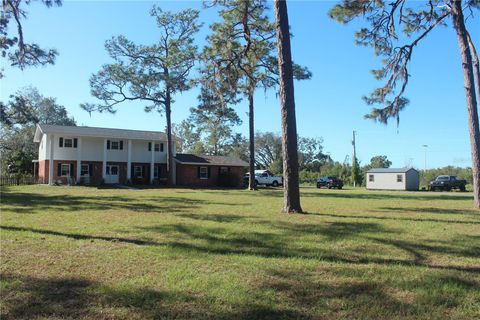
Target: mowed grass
column 78, row 253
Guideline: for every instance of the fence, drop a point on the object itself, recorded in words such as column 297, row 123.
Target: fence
column 16, row 180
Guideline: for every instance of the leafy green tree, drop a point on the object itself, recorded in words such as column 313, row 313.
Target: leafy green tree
column 188, row 138
column 416, row 20
column 13, row 46
column 151, row 73
column 310, row 154
column 20, row 114
column 379, row 162
column 268, row 147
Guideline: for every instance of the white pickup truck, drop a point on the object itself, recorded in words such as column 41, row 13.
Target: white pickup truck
column 265, row 177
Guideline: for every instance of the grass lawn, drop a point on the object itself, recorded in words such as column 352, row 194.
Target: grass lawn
column 76, row 252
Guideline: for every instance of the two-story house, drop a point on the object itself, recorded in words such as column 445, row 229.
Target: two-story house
column 88, row 155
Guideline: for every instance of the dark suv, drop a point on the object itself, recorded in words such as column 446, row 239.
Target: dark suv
column 330, row 183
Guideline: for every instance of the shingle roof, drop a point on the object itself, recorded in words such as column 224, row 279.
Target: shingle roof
column 185, row 158
column 82, row 131
column 389, row 170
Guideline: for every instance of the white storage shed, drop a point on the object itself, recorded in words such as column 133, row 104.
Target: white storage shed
column 393, row 179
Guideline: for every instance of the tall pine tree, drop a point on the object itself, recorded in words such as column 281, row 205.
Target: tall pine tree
column 151, row 73
column 416, row 20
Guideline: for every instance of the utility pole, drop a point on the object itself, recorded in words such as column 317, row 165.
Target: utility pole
column 354, row 159
column 425, row 146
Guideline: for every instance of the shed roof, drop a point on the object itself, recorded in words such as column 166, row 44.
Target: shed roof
column 390, row 170
column 81, row 131
column 185, row 158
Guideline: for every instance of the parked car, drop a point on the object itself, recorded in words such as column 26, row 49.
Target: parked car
column 265, row 177
column 447, row 183
column 330, row 183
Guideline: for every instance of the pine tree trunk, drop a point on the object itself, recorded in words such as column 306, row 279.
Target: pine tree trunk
column 291, row 191
column 168, row 114
column 251, row 169
column 476, row 66
column 468, row 79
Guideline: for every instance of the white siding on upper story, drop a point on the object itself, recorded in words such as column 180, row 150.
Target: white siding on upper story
column 92, row 150
column 43, row 148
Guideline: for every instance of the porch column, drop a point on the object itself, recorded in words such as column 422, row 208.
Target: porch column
column 104, row 163
column 79, row 159
column 129, row 161
column 152, row 161
column 50, row 160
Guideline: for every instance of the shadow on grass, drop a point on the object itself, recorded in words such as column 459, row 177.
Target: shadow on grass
column 29, row 203
column 432, row 210
column 368, row 195
column 358, row 216
column 73, row 298
column 282, row 243
column 367, row 298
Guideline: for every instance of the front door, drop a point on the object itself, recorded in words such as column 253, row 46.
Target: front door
column 111, row 174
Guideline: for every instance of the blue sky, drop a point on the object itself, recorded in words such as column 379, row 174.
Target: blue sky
column 328, row 106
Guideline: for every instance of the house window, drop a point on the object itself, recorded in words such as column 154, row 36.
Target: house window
column 203, row 173
column 68, row 143
column 85, row 170
column 137, row 171
column 371, row 178
column 158, row 147
column 399, row 178
column 155, row 172
column 115, row 145
column 65, row 170
column 223, row 170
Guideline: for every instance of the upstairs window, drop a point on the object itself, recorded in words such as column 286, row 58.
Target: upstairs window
column 158, row 147
column 67, row 142
column 114, row 144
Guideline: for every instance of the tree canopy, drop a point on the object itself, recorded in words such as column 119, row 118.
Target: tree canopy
column 19, row 116
column 13, row 44
column 150, row 73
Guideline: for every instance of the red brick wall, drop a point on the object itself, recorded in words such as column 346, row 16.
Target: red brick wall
column 96, row 174
column 187, row 175
column 43, row 168
column 56, row 175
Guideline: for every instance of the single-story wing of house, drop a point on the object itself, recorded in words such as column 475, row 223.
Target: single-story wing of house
column 393, row 179
column 90, row 155
column 205, row 170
